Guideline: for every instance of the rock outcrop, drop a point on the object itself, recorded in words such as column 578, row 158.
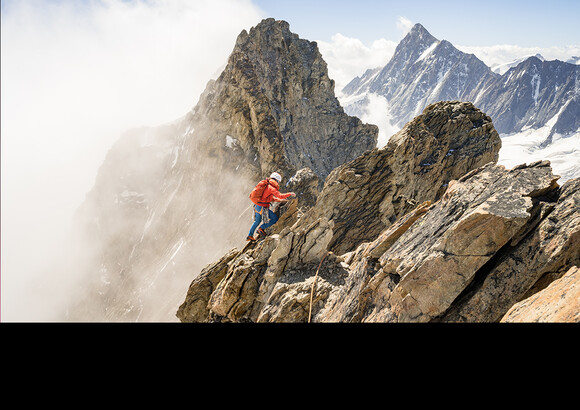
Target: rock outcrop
column 493, row 242
column 366, row 195
column 425, row 271
column 462, row 248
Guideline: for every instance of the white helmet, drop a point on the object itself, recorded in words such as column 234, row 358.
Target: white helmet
column 276, row 176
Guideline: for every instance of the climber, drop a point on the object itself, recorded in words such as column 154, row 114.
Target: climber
column 262, row 195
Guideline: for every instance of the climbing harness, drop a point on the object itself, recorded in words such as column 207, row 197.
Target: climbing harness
column 265, row 215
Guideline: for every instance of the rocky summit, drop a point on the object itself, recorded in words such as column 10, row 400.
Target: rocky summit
column 277, row 104
column 426, row 229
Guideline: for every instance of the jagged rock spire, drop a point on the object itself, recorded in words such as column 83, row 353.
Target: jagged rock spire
column 276, row 99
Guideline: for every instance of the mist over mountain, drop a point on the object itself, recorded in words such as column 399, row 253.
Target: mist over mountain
column 170, row 199
column 535, row 100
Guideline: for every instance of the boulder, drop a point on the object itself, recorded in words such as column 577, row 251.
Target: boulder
column 434, row 261
column 559, row 302
column 369, row 193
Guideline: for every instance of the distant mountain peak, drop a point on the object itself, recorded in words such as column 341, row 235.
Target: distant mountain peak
column 419, row 34
column 504, row 67
column 419, row 29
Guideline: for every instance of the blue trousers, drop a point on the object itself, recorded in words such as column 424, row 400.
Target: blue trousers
column 258, row 218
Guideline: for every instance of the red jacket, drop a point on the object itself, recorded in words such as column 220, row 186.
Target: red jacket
column 271, row 194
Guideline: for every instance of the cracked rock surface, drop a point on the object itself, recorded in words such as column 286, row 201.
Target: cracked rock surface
column 489, row 245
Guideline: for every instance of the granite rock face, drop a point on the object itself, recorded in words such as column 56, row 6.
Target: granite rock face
column 540, row 256
column 434, row 261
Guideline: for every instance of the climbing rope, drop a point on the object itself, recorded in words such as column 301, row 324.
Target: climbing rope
column 314, row 286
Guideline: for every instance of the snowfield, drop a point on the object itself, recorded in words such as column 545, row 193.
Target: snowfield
column 526, row 147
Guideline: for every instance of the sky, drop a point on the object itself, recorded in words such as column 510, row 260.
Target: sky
column 75, row 74
column 484, row 23
column 496, row 31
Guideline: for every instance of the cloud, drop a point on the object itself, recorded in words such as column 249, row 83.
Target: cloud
column 506, row 53
column 348, row 57
column 74, row 76
column 376, row 111
column 404, row 24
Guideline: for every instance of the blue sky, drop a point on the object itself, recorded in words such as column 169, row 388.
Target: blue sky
column 471, row 23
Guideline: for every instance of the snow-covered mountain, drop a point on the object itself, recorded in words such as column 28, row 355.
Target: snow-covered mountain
column 534, row 104
column 533, row 94
column 503, row 68
column 422, row 70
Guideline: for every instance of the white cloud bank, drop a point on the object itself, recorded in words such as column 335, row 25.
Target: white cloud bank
column 506, row 53
column 74, row 76
column 348, row 57
column 404, row 24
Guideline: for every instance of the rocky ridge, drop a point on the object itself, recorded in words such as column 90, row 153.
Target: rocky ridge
column 467, row 246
